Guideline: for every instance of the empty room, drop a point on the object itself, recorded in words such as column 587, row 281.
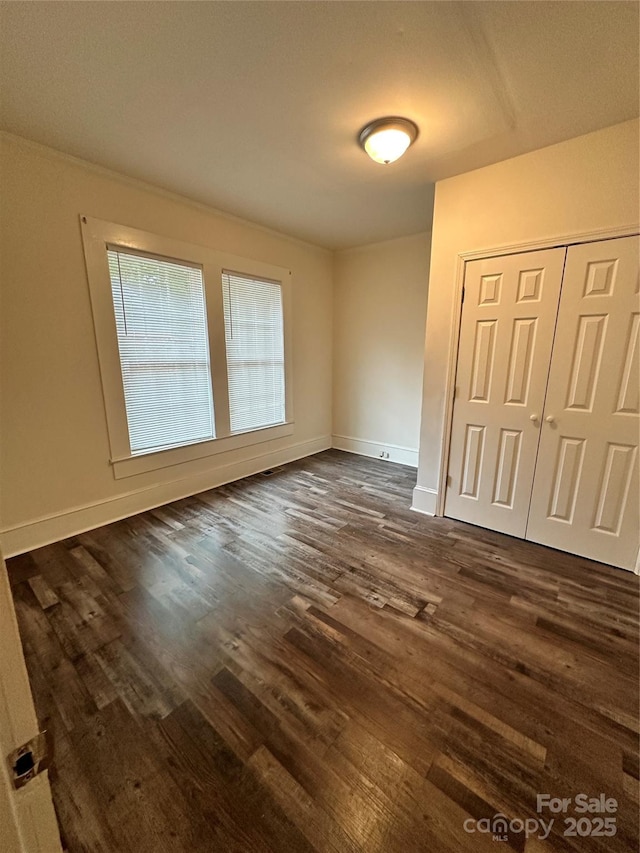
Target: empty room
column 319, row 426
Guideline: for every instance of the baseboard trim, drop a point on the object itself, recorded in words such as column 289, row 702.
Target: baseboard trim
column 70, row 522
column 364, row 447
column 424, row 500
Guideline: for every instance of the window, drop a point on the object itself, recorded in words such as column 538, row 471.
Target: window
column 161, row 322
column 255, row 351
column 194, row 358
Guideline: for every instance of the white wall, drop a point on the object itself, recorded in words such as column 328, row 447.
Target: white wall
column 586, row 184
column 380, row 302
column 54, row 462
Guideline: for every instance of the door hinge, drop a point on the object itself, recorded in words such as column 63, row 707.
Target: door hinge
column 463, row 295
column 448, row 479
column 30, row 759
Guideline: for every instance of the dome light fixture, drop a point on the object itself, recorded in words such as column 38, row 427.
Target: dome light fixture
column 386, row 139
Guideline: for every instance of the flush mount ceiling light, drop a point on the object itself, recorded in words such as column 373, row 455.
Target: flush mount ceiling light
column 386, row 139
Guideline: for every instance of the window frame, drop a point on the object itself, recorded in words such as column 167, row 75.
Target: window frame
column 99, row 235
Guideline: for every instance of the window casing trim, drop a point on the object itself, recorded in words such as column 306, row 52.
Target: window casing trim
column 98, row 236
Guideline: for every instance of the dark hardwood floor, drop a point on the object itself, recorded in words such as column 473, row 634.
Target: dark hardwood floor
column 298, row 662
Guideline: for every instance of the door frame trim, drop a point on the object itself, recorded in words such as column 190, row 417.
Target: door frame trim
column 452, row 359
column 28, row 811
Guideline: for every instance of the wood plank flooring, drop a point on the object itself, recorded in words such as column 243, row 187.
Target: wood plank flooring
column 298, row 662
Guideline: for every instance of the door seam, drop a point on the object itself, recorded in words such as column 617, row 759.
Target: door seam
column 546, row 391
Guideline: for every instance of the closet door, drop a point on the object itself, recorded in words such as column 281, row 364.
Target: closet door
column 585, row 492
column 506, row 336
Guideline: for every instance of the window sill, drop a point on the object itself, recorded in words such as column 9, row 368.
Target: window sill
column 142, row 463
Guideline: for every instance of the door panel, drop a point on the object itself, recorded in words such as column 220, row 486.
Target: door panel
column 585, row 492
column 506, row 336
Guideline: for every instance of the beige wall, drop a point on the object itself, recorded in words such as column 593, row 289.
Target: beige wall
column 54, row 452
column 586, row 184
column 54, row 469
column 380, row 302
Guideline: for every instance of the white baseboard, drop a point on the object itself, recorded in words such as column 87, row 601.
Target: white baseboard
column 364, row 447
column 69, row 522
column 424, row 500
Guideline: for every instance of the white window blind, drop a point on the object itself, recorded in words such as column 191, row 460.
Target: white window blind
column 255, row 351
column 164, row 352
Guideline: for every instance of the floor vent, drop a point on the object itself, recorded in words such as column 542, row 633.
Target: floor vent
column 271, row 471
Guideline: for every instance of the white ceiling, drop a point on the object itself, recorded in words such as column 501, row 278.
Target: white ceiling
column 254, row 107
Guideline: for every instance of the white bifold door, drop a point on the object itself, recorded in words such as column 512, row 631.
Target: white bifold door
column 544, row 441
column 506, row 337
column 585, row 489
